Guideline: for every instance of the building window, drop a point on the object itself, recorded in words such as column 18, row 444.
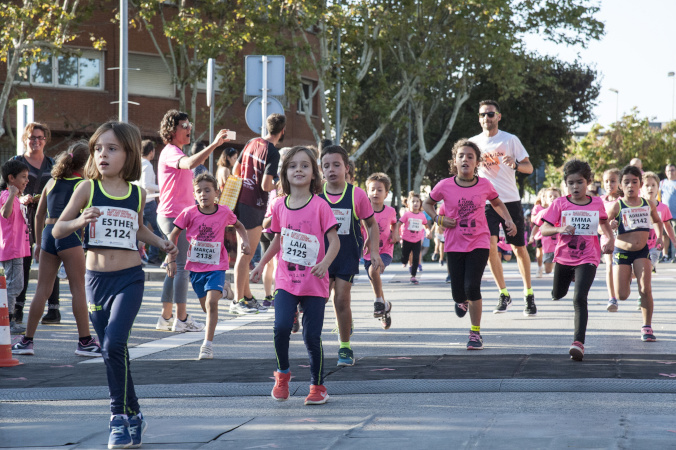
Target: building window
column 149, row 76
column 69, row 71
column 306, row 93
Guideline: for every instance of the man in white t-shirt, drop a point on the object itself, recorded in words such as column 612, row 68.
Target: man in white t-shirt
column 503, row 155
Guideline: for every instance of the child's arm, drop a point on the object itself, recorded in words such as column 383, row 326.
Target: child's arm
column 320, row 269
column 171, row 263
column 374, row 238
column 267, row 222
column 658, row 226
column 428, row 207
column 608, row 232
column 394, row 233
column 8, row 207
column 670, row 232
column 533, row 232
column 501, row 209
column 40, row 217
column 242, row 234
column 69, row 222
column 147, row 236
column 273, row 249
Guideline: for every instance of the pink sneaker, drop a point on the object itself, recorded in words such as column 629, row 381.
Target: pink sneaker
column 414, row 281
column 281, row 390
column 318, row 395
column 576, row 351
column 647, row 334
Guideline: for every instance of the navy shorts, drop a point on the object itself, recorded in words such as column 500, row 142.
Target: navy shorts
column 207, row 281
column 53, row 246
column 626, row 257
column 387, row 260
column 346, row 277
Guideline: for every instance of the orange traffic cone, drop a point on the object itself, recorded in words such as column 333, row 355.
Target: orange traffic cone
column 6, row 359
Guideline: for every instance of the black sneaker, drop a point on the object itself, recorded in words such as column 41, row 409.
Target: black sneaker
column 378, row 309
column 53, row 317
column 461, row 309
column 386, row 318
column 475, row 341
column 503, row 303
column 531, row 309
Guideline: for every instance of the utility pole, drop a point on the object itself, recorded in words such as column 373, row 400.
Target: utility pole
column 123, row 106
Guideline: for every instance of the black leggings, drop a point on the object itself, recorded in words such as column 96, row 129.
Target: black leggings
column 584, row 277
column 466, row 270
column 406, row 249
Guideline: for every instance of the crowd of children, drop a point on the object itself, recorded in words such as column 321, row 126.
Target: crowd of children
column 320, row 225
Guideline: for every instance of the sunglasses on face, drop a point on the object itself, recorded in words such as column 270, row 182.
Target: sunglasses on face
column 186, row 125
column 490, row 114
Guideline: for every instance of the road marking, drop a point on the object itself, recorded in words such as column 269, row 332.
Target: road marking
column 178, row 340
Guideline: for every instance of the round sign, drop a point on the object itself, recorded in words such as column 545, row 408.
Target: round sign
column 254, row 112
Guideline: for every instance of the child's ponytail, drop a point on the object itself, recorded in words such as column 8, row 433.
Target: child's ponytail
column 71, row 160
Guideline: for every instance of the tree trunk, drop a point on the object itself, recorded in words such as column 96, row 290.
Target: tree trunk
column 9, row 83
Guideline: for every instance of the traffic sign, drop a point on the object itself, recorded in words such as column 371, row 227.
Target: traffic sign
column 254, row 113
column 276, row 79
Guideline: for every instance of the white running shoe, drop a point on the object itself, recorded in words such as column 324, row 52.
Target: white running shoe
column 206, row 352
column 62, row 273
column 164, row 325
column 189, row 325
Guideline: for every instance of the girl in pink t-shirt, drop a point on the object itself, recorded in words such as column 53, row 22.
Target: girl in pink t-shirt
column 14, row 240
column 546, row 243
column 611, row 184
column 413, row 233
column 300, row 222
column 651, row 187
column 577, row 253
column 467, row 237
column 207, row 258
column 535, row 235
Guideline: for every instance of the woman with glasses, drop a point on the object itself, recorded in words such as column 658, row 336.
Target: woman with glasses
column 35, row 137
column 174, row 173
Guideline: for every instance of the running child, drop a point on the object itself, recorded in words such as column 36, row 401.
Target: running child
column 651, row 187
column 467, row 235
column 349, row 205
column 506, row 252
column 377, row 187
column 413, row 233
column 300, row 221
column 535, row 235
column 548, row 242
column 633, row 215
column 112, row 210
column 611, row 184
column 204, row 226
column 14, row 235
column 578, row 252
column 49, row 252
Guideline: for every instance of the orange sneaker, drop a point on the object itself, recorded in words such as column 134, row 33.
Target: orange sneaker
column 318, row 395
column 281, row 390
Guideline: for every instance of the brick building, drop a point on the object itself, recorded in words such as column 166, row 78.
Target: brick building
column 75, row 94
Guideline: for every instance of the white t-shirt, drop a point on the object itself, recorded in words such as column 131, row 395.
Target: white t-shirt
column 502, row 176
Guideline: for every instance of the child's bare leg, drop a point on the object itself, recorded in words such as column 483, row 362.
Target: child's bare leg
column 74, row 263
column 622, row 281
column 609, row 275
column 47, row 269
column 643, row 268
column 342, row 308
column 376, row 283
column 475, row 310
column 211, row 304
column 268, row 277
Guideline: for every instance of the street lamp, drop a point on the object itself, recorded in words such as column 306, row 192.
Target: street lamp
column 673, row 88
column 617, row 103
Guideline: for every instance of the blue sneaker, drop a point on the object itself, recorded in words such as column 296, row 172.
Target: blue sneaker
column 119, row 433
column 345, row 357
column 137, row 427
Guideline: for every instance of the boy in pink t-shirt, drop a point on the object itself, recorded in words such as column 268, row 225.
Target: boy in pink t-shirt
column 14, row 238
column 577, row 253
column 413, row 233
column 207, row 262
column 377, row 187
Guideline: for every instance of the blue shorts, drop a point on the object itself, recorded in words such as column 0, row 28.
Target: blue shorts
column 207, row 281
column 387, row 260
column 53, row 246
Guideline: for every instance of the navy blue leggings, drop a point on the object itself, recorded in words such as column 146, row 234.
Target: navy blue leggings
column 114, row 300
column 313, row 321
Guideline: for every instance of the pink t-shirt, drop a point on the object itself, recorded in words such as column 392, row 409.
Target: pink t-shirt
column 385, row 218
column 466, row 205
column 607, row 203
column 13, row 231
column 303, row 231
column 413, row 229
column 206, row 233
column 176, row 191
column 665, row 214
column 579, row 248
column 268, row 212
column 533, row 214
column 548, row 242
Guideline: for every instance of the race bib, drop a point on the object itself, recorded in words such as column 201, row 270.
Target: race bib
column 586, row 223
column 116, row 227
column 415, row 224
column 343, row 217
column 204, row 252
column 299, row 248
column 634, row 218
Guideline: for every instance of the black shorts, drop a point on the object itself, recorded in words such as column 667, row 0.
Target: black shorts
column 538, row 243
column 249, row 216
column 626, row 257
column 266, row 240
column 494, row 220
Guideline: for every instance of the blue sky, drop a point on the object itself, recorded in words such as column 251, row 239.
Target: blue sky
column 634, row 57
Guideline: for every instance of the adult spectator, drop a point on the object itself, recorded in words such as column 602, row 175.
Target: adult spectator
column 637, row 162
column 149, row 183
column 225, row 164
column 503, row 156
column 257, row 165
column 35, row 137
column 176, row 193
column 668, row 196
